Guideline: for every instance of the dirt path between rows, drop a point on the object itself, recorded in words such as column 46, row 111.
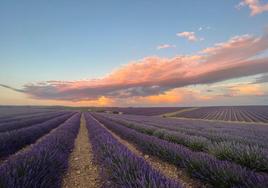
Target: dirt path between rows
column 82, row 172
column 165, row 168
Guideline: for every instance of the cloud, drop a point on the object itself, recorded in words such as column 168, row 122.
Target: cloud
column 246, row 90
column 167, row 98
column 155, row 76
column 165, row 46
column 204, row 28
column 255, row 6
column 174, row 97
column 8, row 87
column 101, row 101
column 262, row 79
column 238, row 48
column 188, row 35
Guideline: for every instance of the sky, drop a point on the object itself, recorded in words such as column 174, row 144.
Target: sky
column 134, row 53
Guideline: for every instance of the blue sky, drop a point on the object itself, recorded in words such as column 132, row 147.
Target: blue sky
column 73, row 40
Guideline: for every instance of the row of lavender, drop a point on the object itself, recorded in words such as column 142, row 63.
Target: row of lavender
column 238, row 113
column 44, row 163
column 251, row 156
column 215, row 131
column 23, row 116
column 198, row 164
column 29, row 121
column 11, row 111
column 12, row 141
column 121, row 167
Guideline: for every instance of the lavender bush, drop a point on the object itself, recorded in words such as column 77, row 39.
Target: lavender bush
column 250, row 156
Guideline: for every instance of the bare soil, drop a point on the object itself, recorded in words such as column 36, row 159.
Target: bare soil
column 82, row 172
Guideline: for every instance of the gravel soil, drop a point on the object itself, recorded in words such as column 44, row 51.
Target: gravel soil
column 82, row 172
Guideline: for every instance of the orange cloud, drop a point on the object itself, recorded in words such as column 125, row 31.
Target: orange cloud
column 248, row 90
column 167, row 98
column 174, row 97
column 101, row 101
column 205, row 98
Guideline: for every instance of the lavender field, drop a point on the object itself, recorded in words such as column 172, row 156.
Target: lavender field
column 226, row 113
column 134, row 94
column 37, row 149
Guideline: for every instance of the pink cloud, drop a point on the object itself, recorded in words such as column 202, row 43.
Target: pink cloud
column 155, row 76
column 188, row 35
column 236, row 49
column 255, row 6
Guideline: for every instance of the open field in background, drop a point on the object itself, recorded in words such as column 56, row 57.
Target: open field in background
column 78, row 147
column 233, row 113
column 219, row 113
column 148, row 111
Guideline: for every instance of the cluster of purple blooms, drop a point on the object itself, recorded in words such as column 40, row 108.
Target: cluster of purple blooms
column 121, row 167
